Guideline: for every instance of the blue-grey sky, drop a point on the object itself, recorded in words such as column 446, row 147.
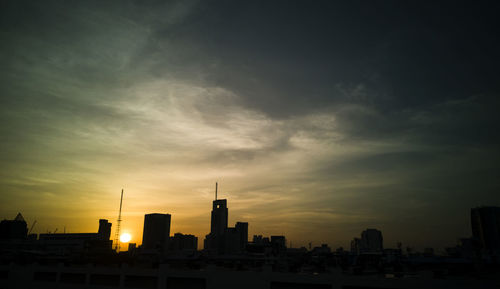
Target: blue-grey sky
column 318, row 118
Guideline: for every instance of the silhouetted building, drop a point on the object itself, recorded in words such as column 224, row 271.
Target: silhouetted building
column 257, row 239
column 279, row 241
column 78, row 243
column 231, row 241
column 372, row 241
column 278, row 244
column 14, row 229
column 218, row 224
column 132, row 249
column 104, row 229
column 468, row 247
column 323, row 250
column 356, row 246
column 224, row 240
column 259, row 246
column 242, row 229
column 184, row 243
column 485, row 223
column 156, row 232
column 215, row 241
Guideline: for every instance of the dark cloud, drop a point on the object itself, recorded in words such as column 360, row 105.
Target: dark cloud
column 285, row 58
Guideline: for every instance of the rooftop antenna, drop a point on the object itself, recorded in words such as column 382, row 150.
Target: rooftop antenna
column 216, row 191
column 117, row 234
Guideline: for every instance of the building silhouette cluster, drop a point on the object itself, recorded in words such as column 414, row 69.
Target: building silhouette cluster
column 77, row 243
column 230, row 247
column 371, row 241
column 223, row 239
column 156, row 239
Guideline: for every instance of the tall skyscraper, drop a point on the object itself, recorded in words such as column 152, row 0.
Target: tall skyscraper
column 222, row 239
column 485, row 222
column 215, row 241
column 156, row 231
column 218, row 225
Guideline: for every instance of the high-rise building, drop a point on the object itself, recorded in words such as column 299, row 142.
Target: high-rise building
column 222, row 239
column 104, row 229
column 215, row 241
column 485, row 222
column 278, row 245
column 156, row 231
column 218, row 225
column 372, row 241
column 242, row 229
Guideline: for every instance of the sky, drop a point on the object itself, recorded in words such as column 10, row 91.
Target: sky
column 319, row 119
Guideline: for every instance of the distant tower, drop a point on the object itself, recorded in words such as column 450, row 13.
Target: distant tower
column 117, row 234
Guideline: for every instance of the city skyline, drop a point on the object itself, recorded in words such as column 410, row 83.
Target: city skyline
column 219, row 223
column 318, row 120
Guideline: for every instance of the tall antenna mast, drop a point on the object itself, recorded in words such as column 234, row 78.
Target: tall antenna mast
column 216, row 191
column 117, row 234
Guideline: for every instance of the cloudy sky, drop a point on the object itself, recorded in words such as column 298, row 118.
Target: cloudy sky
column 319, row 119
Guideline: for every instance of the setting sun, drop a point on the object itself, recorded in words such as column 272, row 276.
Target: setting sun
column 125, row 238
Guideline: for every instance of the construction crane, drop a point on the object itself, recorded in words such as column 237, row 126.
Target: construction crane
column 32, row 226
column 117, row 234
